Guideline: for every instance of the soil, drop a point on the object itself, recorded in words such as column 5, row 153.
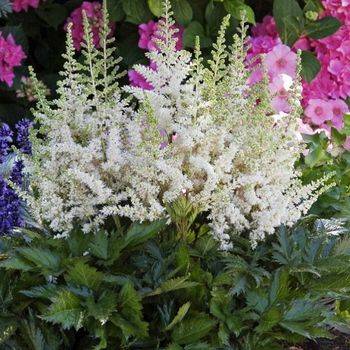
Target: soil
column 340, row 342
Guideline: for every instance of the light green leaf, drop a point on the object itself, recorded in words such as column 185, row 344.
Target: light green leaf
column 268, row 320
column 179, row 316
column 84, row 275
column 65, row 310
column 156, row 7
column 131, row 310
column 238, row 9
column 172, row 285
column 193, row 329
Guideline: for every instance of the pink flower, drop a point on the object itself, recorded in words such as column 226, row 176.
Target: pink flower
column 23, row 5
column 346, row 144
column 302, row 44
column 281, row 60
column 11, row 56
column 279, row 88
column 93, row 11
column 266, row 28
column 148, row 36
column 319, row 111
column 339, row 108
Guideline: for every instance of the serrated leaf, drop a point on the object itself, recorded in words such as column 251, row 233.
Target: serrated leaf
column 131, row 309
column 16, row 263
column 99, row 245
column 172, row 285
column 140, row 233
column 268, row 320
column 44, row 259
column 82, row 274
column 322, row 28
column 65, row 310
column 103, row 307
column 179, row 316
column 279, row 286
column 47, row 291
column 193, row 329
column 310, row 66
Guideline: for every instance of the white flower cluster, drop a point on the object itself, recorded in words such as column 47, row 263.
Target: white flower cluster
column 202, row 133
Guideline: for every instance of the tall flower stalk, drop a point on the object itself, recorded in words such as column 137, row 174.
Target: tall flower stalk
column 202, row 133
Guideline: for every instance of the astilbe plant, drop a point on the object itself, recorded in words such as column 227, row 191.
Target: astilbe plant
column 202, row 134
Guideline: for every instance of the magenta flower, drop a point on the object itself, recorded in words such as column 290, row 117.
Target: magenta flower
column 148, row 36
column 319, row 111
column 138, row 80
column 281, row 60
column 266, row 28
column 147, row 41
column 23, row 5
column 93, row 11
column 11, row 56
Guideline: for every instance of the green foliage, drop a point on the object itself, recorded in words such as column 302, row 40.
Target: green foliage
column 163, row 292
column 310, row 66
column 322, row 159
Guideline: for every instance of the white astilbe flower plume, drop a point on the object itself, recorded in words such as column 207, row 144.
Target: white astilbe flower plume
column 202, row 133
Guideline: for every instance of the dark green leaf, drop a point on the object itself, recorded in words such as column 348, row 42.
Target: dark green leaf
column 193, row 30
column 322, row 28
column 310, row 66
column 136, row 11
column 183, row 12
column 140, row 233
column 53, row 14
column 289, row 19
column 44, row 259
column 115, row 10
